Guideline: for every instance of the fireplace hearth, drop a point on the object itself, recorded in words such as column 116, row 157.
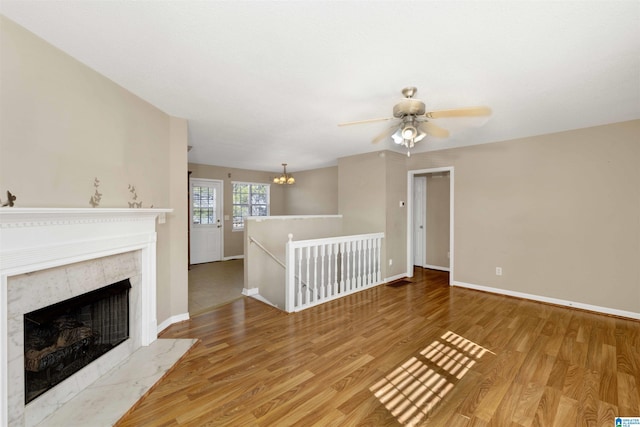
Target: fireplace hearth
column 62, row 338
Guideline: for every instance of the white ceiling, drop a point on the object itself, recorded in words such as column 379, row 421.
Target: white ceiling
column 266, row 82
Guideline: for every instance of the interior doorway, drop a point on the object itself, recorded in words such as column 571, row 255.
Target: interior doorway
column 419, row 220
column 430, row 220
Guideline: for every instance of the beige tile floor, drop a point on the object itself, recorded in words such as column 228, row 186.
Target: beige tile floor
column 214, row 283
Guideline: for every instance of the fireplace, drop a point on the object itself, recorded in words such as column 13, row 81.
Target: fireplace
column 52, row 255
column 64, row 337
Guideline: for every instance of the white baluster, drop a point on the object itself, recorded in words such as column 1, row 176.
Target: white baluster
column 354, row 264
column 342, row 288
column 322, row 283
column 360, row 264
column 347, row 245
column 314, row 292
column 329, row 277
column 307, row 283
column 290, row 276
column 299, row 278
column 336, row 286
column 354, row 256
column 372, row 254
column 378, row 270
column 367, row 263
column 373, row 266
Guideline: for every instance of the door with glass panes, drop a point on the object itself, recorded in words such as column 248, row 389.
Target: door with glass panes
column 206, row 220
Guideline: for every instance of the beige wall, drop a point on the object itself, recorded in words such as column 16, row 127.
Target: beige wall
column 560, row 213
column 178, row 194
column 361, row 193
column 437, row 224
column 314, row 193
column 371, row 187
column 395, row 236
column 233, row 245
column 62, row 125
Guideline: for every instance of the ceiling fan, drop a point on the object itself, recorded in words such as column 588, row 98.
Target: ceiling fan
column 412, row 120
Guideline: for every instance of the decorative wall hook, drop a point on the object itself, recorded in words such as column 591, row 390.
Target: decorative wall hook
column 10, row 199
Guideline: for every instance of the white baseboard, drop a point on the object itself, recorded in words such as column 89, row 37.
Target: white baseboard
column 436, row 267
column 171, row 320
column 556, row 301
column 250, row 292
column 229, row 258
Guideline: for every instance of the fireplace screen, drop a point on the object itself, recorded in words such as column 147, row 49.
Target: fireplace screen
column 61, row 339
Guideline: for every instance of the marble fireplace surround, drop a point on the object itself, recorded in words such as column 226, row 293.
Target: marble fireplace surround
column 34, row 242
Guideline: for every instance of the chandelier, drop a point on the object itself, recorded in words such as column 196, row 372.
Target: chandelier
column 408, row 134
column 285, row 178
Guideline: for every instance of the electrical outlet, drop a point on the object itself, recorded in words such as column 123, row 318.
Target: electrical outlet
column 498, row 271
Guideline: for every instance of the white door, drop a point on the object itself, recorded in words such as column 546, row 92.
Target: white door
column 206, row 222
column 419, row 220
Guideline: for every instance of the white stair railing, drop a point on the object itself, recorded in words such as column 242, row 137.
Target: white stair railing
column 321, row 270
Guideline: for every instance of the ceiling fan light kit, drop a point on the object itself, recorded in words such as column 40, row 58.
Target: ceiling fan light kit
column 414, row 125
column 407, row 135
column 285, row 178
column 409, row 132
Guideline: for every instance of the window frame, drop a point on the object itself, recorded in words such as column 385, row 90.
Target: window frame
column 249, row 205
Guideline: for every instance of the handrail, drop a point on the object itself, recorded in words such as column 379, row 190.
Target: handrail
column 267, row 251
column 275, row 258
column 329, row 240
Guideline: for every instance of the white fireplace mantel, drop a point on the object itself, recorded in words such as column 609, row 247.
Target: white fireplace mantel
column 34, row 239
column 28, row 234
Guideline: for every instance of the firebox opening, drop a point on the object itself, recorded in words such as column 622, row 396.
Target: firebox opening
column 62, row 338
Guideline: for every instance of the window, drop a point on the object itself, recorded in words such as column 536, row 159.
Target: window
column 204, row 202
column 249, row 199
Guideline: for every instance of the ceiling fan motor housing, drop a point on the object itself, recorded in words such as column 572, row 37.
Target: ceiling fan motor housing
column 408, row 107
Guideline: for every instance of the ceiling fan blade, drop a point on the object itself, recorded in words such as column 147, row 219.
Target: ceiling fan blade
column 459, row 112
column 385, row 134
column 365, row 121
column 434, row 130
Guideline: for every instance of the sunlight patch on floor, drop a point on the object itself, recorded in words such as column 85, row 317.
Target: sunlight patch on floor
column 412, row 390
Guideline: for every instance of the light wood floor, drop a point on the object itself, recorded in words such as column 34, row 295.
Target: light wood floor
column 419, row 354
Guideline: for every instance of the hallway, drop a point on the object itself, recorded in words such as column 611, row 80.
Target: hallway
column 213, row 284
